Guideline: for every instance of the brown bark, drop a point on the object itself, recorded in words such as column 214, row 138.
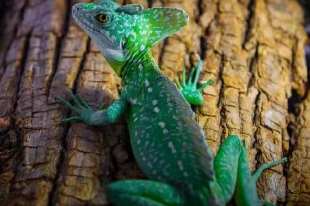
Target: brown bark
column 253, row 49
column 298, row 173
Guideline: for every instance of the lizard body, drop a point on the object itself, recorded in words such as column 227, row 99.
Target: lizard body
column 167, row 142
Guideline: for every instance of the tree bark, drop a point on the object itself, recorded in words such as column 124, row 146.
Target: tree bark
column 253, row 50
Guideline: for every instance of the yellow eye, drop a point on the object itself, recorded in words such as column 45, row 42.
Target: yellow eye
column 102, row 18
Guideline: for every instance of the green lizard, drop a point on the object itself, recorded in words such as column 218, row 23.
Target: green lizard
column 167, row 142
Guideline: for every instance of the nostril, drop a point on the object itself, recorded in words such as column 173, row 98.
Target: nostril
column 77, row 7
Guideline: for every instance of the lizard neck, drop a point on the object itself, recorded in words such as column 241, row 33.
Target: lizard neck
column 138, row 68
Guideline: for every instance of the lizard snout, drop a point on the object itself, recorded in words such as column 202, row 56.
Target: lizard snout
column 76, row 7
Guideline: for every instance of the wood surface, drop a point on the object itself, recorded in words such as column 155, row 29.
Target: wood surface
column 253, row 50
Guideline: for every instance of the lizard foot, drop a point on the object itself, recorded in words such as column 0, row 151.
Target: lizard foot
column 82, row 108
column 189, row 90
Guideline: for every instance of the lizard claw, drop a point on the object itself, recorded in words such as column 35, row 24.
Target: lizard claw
column 82, row 108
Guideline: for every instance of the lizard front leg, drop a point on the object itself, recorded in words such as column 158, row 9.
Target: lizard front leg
column 96, row 118
column 144, row 193
column 189, row 90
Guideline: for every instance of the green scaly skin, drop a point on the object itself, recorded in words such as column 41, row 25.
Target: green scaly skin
column 167, row 142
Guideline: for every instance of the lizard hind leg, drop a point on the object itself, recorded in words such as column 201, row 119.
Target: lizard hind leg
column 144, row 193
column 226, row 166
column 266, row 166
column 259, row 171
column 245, row 191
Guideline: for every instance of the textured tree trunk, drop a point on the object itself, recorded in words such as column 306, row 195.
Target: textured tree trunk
column 253, row 49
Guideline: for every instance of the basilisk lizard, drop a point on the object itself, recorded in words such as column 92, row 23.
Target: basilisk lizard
column 167, row 142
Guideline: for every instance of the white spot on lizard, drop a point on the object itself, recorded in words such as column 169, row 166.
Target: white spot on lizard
column 133, row 101
column 162, row 124
column 171, row 146
column 165, row 131
column 181, row 167
column 147, row 83
column 143, row 32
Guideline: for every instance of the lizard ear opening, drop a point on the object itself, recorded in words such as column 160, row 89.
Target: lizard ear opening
column 130, row 9
column 163, row 22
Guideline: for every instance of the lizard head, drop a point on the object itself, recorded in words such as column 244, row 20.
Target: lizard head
column 124, row 33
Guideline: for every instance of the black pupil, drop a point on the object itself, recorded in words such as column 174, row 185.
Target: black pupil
column 102, row 17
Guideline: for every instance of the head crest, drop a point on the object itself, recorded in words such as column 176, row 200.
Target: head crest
column 130, row 9
column 111, row 4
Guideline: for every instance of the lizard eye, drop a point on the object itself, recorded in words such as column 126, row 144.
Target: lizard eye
column 102, row 18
